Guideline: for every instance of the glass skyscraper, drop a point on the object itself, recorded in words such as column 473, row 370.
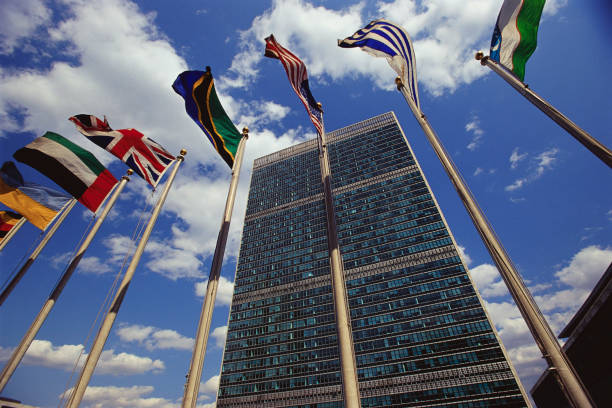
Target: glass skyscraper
column 420, row 333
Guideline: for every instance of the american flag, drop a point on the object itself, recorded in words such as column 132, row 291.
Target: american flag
column 296, row 71
column 143, row 155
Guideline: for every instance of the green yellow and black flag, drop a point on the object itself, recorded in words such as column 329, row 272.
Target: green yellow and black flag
column 202, row 104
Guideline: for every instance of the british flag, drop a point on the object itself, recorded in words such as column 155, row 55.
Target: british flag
column 143, row 155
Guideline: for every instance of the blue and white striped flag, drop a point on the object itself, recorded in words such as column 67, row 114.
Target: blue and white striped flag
column 381, row 38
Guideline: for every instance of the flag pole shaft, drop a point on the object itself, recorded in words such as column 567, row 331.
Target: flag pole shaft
column 27, row 339
column 192, row 387
column 107, row 324
column 12, row 232
column 543, row 335
column 588, row 141
column 343, row 318
column 22, row 271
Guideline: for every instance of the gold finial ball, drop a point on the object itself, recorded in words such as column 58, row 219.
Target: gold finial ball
column 130, row 172
column 479, row 55
column 319, row 105
column 245, row 130
column 398, row 81
column 183, row 152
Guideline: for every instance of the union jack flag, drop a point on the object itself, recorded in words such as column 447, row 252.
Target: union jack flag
column 296, row 71
column 143, row 155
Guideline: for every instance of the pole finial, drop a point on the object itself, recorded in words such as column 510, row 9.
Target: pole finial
column 479, row 55
column 183, row 153
column 398, row 82
column 320, row 106
column 130, row 172
column 245, row 130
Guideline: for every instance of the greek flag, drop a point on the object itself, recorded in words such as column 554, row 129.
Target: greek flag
column 381, row 38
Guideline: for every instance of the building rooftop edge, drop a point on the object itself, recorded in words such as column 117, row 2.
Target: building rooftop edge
column 588, row 303
column 264, row 160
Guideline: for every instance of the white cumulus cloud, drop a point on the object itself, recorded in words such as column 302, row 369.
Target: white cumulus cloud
column 44, row 353
column 154, row 338
column 225, row 290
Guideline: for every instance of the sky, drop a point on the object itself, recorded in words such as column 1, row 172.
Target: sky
column 546, row 196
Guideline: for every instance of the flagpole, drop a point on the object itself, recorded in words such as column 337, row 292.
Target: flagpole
column 20, row 351
column 343, row 318
column 111, row 315
column 11, row 285
column 192, row 387
column 12, row 232
column 588, row 141
column 543, row 335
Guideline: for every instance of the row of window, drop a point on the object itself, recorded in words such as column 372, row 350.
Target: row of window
column 419, row 324
column 426, row 303
column 246, row 348
column 513, row 399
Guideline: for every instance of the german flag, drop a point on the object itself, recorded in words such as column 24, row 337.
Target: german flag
column 202, row 104
column 8, row 219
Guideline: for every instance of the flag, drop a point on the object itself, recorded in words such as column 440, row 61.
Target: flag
column 8, row 219
column 298, row 77
column 203, row 106
column 143, row 155
column 516, row 34
column 75, row 169
column 382, row 38
column 38, row 204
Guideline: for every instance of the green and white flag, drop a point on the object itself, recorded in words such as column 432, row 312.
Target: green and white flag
column 516, row 33
column 75, row 169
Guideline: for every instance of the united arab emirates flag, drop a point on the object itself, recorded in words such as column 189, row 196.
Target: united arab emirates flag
column 73, row 168
column 202, row 104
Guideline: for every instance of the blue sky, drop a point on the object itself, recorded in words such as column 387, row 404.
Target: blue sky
column 546, row 196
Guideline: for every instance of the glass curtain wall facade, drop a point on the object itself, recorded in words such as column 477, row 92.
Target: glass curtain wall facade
column 420, row 332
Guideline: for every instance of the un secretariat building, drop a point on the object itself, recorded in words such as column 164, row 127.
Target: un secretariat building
column 420, row 333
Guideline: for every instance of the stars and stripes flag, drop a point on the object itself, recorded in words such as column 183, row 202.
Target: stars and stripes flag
column 298, row 77
column 143, row 155
column 382, row 38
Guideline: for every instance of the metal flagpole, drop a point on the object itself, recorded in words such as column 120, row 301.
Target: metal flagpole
column 11, row 285
column 192, row 387
column 19, row 352
column 343, row 318
column 588, row 141
column 107, row 324
column 543, row 335
column 12, row 232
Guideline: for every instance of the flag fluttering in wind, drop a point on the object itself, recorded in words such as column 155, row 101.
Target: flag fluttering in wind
column 75, row 169
column 143, row 155
column 382, row 38
column 39, row 204
column 202, row 104
column 516, row 34
column 298, row 77
column 8, row 219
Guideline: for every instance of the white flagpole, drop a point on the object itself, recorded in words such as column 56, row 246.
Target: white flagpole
column 12, row 232
column 20, row 351
column 107, row 324
column 588, row 141
column 11, row 285
column 343, row 317
column 192, row 387
column 543, row 335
